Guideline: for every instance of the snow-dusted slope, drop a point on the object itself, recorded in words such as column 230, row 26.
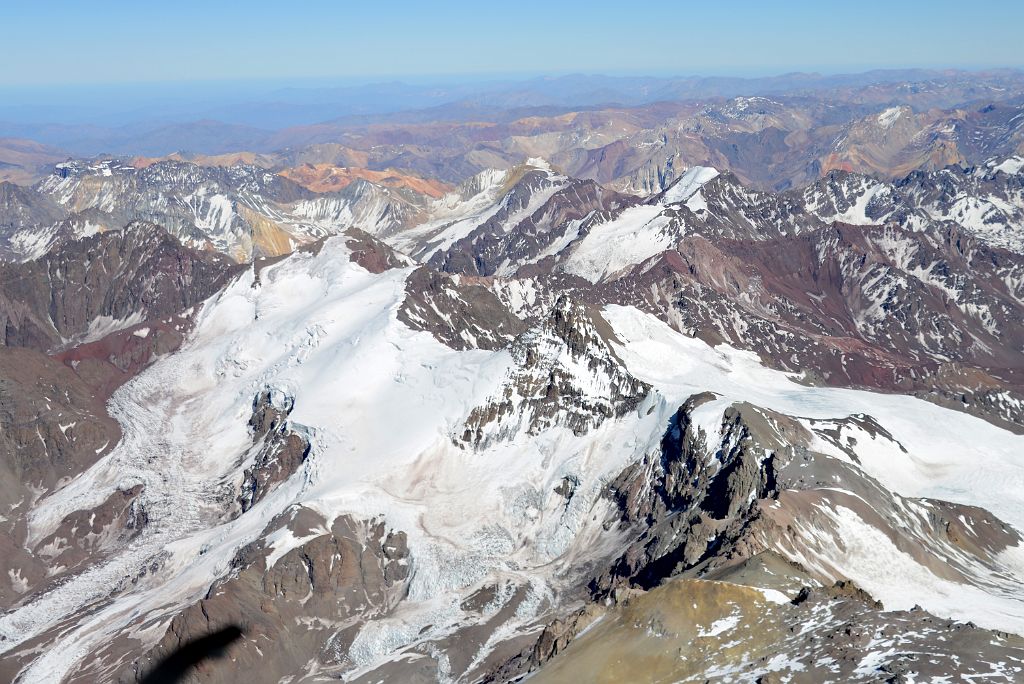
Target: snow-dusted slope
column 246, row 211
column 243, row 211
column 986, row 201
column 637, row 233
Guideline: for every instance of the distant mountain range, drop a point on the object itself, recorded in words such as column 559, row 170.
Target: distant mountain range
column 259, row 119
column 770, row 143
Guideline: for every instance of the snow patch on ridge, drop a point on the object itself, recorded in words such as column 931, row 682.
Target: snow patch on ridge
column 1010, row 166
column 638, row 233
column 952, row 455
column 689, row 183
column 888, row 117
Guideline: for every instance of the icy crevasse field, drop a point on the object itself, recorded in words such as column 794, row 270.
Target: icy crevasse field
column 381, row 403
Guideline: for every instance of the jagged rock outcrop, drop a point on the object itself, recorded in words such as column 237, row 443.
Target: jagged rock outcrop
column 740, row 500
column 296, row 605
column 278, row 451
column 372, row 254
column 565, row 375
column 458, row 310
column 695, row 497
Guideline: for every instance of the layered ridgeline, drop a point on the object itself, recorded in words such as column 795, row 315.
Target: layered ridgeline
column 792, row 131
column 912, row 286
column 528, row 424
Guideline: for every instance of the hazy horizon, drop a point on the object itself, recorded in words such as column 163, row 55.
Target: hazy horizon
column 124, row 104
column 124, row 42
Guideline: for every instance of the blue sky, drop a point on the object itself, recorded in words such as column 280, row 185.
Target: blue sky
column 115, row 41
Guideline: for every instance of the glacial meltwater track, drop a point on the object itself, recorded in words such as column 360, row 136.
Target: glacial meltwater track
column 322, row 328
column 166, row 457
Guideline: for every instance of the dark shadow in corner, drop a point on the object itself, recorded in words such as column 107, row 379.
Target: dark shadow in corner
column 175, row 667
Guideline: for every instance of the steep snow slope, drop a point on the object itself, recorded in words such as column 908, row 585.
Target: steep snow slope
column 634, row 236
column 952, row 456
column 688, row 184
column 945, row 455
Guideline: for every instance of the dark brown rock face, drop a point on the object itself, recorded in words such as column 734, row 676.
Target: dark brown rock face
column 543, row 390
column 459, row 311
column 133, row 275
column 86, row 536
column 707, row 501
column 54, row 426
column 371, row 253
column 279, row 451
column 929, row 312
column 52, row 408
column 297, row 607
